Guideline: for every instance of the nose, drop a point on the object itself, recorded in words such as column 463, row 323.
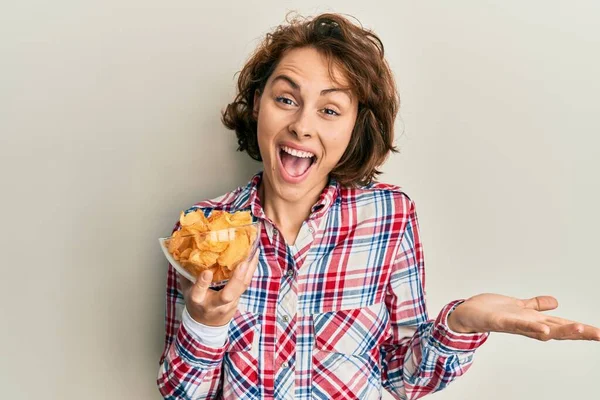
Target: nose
column 302, row 126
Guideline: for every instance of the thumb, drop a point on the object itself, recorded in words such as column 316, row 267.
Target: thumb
column 541, row 303
column 200, row 288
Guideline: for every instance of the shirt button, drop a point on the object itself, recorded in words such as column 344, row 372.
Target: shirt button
column 285, row 318
column 290, row 272
column 311, row 230
column 285, row 365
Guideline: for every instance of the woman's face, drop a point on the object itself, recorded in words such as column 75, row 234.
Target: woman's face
column 305, row 122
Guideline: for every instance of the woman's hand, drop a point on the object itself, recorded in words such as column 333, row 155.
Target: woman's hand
column 496, row 313
column 216, row 308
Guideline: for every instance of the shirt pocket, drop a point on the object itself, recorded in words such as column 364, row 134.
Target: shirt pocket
column 347, row 346
column 355, row 331
column 244, row 330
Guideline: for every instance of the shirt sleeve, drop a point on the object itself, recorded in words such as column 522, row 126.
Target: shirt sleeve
column 189, row 368
column 421, row 356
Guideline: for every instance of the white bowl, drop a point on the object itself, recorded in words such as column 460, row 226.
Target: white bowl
column 223, row 235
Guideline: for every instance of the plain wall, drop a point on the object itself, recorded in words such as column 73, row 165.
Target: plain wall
column 110, row 125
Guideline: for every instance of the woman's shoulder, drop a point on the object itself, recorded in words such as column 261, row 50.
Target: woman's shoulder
column 234, row 200
column 381, row 198
column 375, row 190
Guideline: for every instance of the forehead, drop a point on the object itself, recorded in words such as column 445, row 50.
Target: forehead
column 311, row 68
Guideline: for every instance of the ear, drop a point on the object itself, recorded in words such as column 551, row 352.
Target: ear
column 256, row 106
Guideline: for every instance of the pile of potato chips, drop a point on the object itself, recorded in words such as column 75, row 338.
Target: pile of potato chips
column 219, row 242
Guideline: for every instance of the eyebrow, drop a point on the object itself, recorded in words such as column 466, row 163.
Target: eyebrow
column 294, row 85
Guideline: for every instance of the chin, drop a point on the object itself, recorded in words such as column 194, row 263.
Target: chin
column 292, row 193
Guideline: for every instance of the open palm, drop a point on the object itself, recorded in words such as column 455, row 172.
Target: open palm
column 490, row 312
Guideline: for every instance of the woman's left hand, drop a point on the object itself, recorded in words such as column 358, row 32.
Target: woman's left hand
column 496, row 313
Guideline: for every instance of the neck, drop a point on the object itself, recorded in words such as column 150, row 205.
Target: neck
column 287, row 215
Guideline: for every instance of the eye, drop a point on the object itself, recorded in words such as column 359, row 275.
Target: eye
column 284, row 100
column 331, row 112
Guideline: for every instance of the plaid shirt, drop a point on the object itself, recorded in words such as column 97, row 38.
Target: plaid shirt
column 338, row 315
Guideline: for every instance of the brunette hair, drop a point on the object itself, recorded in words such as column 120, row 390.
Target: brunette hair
column 359, row 53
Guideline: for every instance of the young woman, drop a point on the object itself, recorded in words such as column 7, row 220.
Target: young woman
column 333, row 305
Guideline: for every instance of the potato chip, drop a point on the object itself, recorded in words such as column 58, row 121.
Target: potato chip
column 178, row 243
column 194, row 218
column 218, row 220
column 251, row 232
column 193, row 229
column 184, row 232
column 203, row 259
column 191, row 268
column 186, row 253
column 198, row 239
column 240, row 218
column 236, row 251
column 220, row 274
column 175, row 255
column 213, row 246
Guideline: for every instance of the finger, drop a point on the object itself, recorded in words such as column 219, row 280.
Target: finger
column 551, row 319
column 575, row 331
column 541, row 303
column 588, row 332
column 199, row 290
column 235, row 287
column 251, row 269
column 566, row 331
column 521, row 327
column 594, row 332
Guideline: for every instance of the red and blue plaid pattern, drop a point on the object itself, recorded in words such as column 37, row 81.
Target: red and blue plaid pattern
column 338, row 315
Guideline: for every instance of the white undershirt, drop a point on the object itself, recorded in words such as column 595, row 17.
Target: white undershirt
column 212, row 336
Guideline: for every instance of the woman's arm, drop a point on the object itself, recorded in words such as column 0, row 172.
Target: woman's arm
column 188, row 368
column 421, row 356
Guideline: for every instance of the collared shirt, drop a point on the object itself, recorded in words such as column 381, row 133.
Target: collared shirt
column 340, row 314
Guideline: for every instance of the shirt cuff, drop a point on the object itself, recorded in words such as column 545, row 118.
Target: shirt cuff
column 195, row 353
column 212, row 336
column 448, row 341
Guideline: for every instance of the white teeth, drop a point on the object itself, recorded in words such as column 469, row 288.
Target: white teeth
column 297, row 153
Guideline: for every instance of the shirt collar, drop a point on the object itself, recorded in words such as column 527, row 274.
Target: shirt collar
column 326, row 199
column 328, row 196
column 254, row 200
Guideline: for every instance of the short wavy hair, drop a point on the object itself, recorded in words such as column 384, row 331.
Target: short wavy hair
column 360, row 54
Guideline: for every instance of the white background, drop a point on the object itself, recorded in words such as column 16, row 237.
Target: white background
column 109, row 126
